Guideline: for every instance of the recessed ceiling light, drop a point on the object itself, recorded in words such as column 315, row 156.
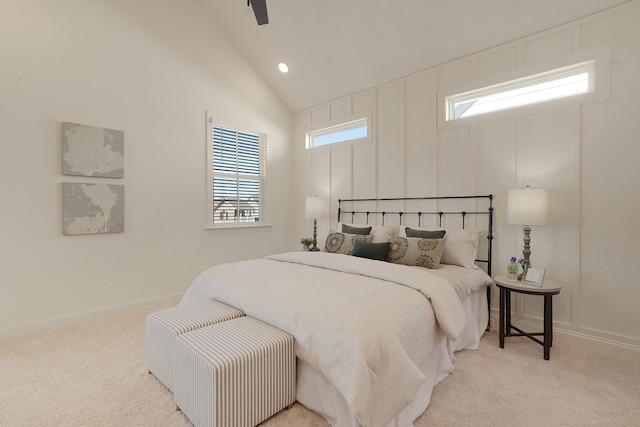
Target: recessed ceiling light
column 283, row 67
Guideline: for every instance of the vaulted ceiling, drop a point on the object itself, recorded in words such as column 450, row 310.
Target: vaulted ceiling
column 337, row 47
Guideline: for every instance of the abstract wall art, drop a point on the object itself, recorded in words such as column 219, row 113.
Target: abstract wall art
column 92, row 151
column 92, row 208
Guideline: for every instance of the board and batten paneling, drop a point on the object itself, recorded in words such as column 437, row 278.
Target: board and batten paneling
column 420, row 135
column 585, row 154
column 390, row 140
column 609, row 293
column 341, row 172
column 546, row 146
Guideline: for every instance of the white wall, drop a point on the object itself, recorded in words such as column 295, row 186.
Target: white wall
column 151, row 68
column 586, row 155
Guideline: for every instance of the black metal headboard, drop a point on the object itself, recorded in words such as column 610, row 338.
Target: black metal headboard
column 420, row 215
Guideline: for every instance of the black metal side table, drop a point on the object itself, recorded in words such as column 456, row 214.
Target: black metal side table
column 548, row 290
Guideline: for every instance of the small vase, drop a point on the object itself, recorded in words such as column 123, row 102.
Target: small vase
column 305, row 248
column 513, row 276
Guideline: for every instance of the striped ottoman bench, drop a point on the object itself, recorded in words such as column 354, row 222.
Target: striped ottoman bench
column 234, row 374
column 163, row 326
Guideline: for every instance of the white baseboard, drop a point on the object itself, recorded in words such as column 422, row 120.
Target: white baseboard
column 53, row 322
column 580, row 341
column 602, row 347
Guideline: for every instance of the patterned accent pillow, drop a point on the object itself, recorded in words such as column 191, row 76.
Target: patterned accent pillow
column 416, row 251
column 342, row 243
column 461, row 247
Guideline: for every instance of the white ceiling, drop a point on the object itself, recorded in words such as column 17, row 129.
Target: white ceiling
column 337, row 47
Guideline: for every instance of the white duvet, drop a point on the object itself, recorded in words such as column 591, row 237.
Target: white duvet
column 364, row 324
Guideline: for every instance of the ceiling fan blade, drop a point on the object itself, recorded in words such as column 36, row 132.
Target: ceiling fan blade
column 260, row 10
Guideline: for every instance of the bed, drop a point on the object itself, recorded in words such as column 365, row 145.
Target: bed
column 372, row 338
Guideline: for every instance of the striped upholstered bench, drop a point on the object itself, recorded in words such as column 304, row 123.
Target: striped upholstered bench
column 163, row 326
column 234, row 374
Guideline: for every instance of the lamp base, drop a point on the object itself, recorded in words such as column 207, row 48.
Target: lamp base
column 315, row 248
column 526, row 252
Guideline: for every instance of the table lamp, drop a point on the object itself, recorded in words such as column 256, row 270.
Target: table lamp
column 527, row 207
column 314, row 209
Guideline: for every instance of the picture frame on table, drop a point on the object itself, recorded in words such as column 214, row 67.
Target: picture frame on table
column 534, row 276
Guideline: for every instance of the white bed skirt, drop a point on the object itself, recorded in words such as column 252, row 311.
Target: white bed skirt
column 319, row 395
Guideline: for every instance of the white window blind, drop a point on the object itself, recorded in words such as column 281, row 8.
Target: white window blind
column 237, row 178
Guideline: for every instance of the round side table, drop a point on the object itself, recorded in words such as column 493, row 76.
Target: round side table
column 548, row 289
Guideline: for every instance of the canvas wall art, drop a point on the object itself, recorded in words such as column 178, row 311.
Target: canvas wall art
column 92, row 151
column 92, row 208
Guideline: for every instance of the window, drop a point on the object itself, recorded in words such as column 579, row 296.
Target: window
column 559, row 83
column 349, row 131
column 236, row 178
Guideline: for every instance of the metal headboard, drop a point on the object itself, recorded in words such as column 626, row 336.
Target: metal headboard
column 382, row 215
column 420, row 214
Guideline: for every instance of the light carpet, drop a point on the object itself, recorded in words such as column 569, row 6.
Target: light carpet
column 94, row 374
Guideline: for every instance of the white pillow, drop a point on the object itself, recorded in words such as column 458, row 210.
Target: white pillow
column 460, row 247
column 381, row 233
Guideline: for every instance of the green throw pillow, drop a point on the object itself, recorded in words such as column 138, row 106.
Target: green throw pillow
column 356, row 230
column 377, row 251
column 425, row 234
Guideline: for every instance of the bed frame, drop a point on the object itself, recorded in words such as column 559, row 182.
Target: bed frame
column 383, row 214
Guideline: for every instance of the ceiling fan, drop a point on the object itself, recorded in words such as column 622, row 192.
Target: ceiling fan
column 260, row 10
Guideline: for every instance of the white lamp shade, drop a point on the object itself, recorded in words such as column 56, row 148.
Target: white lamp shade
column 527, row 206
column 314, row 207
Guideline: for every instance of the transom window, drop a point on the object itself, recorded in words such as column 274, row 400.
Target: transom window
column 236, row 182
column 559, row 83
column 349, row 131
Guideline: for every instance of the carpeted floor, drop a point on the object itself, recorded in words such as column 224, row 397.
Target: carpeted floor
column 94, row 374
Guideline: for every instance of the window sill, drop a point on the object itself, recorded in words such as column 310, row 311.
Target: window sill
column 239, row 226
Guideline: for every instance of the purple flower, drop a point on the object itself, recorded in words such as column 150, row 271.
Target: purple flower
column 513, row 259
column 520, row 261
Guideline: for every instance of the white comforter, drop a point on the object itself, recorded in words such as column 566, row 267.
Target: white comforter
column 364, row 324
